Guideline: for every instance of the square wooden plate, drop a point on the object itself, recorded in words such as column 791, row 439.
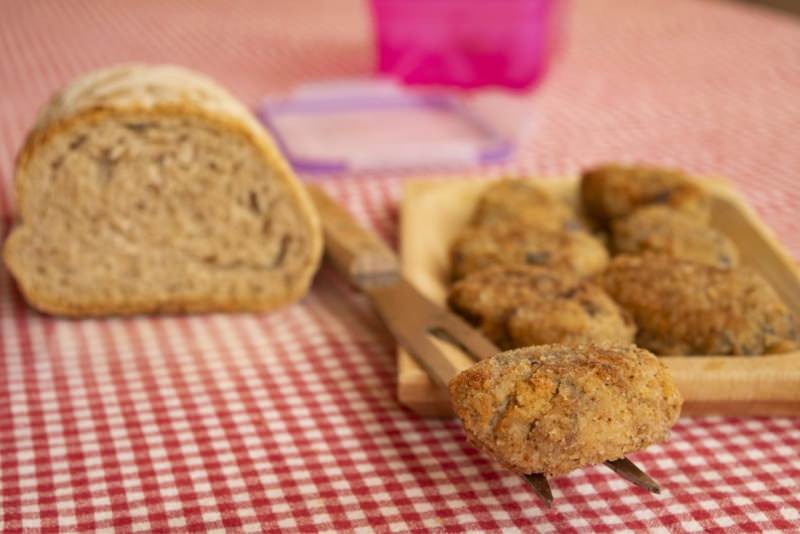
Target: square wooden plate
column 434, row 211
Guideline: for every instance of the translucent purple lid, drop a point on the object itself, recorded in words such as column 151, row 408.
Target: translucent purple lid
column 360, row 125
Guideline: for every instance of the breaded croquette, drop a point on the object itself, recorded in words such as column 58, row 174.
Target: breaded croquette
column 516, row 306
column 583, row 314
column 575, row 252
column 524, row 202
column 487, row 298
column 666, row 231
column 612, row 191
column 683, row 307
column 554, row 408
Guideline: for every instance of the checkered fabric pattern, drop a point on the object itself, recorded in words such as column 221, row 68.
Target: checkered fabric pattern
column 288, row 421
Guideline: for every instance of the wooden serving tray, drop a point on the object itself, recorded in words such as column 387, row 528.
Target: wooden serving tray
column 433, row 212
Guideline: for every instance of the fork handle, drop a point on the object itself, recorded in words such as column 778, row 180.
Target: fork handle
column 352, row 249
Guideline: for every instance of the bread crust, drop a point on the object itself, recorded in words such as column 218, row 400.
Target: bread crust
column 220, row 109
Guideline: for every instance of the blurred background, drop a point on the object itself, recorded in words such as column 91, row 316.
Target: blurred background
column 95, row 412
column 550, row 86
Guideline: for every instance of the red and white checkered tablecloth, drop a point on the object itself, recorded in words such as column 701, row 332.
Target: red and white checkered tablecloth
column 288, row 421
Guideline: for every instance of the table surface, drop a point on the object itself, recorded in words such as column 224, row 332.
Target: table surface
column 289, row 420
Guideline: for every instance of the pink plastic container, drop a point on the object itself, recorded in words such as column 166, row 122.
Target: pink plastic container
column 466, row 43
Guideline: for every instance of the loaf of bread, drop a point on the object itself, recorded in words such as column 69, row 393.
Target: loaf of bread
column 148, row 189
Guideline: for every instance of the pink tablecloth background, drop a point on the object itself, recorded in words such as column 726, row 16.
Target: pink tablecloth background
column 289, row 421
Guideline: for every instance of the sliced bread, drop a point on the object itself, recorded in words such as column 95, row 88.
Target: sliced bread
column 147, row 189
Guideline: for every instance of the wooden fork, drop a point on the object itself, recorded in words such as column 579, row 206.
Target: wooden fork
column 374, row 269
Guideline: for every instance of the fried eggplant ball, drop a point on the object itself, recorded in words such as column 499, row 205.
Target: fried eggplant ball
column 554, row 408
column 517, row 306
column 479, row 247
column 524, row 202
column 662, row 230
column 612, row 191
column 684, row 307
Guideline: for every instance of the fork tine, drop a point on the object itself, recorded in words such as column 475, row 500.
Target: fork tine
column 460, row 333
column 438, row 367
column 366, row 260
column 540, row 486
column 630, row 472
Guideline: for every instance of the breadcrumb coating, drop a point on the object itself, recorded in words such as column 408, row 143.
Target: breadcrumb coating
column 683, row 307
column 521, row 201
column 583, row 314
column 554, row 408
column 477, row 248
column 516, row 306
column 612, row 191
column 662, row 230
